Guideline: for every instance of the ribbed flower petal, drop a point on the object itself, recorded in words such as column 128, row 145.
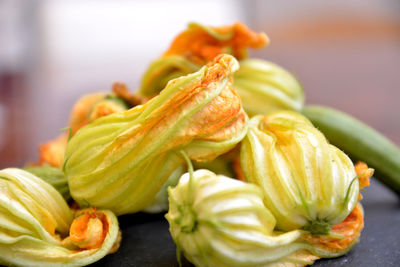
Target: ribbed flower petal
column 307, row 182
column 263, row 86
column 120, row 161
column 219, row 221
column 35, row 225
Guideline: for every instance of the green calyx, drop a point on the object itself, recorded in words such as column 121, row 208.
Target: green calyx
column 319, row 227
column 187, row 219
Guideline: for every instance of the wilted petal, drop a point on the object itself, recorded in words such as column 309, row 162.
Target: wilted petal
column 201, row 44
column 343, row 236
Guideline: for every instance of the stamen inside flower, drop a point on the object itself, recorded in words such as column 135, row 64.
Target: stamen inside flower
column 89, row 230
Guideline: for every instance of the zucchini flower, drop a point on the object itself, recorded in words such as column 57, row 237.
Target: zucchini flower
column 195, row 47
column 308, row 183
column 81, row 110
column 344, row 235
column 87, row 109
column 262, row 85
column 265, row 87
column 162, row 70
column 119, row 162
column 37, row 228
column 201, row 44
column 96, row 105
column 53, row 176
column 218, row 221
column 52, row 152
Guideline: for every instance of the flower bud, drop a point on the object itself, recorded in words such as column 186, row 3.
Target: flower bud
column 53, row 176
column 195, row 47
column 35, row 223
column 219, row 221
column 307, row 182
column 264, row 87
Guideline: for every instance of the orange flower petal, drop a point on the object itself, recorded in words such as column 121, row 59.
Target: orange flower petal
column 201, row 44
column 52, row 152
column 89, row 230
column 349, row 229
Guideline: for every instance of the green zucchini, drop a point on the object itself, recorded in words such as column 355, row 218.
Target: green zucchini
column 360, row 142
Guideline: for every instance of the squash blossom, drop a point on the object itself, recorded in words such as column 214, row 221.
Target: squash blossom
column 308, row 183
column 37, row 228
column 262, row 85
column 53, row 176
column 218, row 221
column 344, row 235
column 87, row 109
column 265, row 87
column 201, row 44
column 119, row 162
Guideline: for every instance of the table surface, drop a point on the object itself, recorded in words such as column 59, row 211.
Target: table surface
column 147, row 242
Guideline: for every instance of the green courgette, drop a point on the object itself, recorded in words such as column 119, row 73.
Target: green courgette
column 360, row 142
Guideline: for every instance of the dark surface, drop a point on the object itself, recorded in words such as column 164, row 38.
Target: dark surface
column 147, row 242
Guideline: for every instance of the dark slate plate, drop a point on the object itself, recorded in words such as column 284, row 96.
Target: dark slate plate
column 147, row 242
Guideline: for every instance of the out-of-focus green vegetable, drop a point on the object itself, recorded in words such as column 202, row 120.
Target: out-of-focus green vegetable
column 120, row 161
column 360, row 142
column 53, row 176
column 307, row 182
column 219, row 221
column 35, row 225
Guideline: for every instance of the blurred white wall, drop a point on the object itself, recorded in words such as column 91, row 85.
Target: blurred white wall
column 85, row 46
column 89, row 44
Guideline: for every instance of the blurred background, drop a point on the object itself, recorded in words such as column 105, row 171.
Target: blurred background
column 346, row 54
